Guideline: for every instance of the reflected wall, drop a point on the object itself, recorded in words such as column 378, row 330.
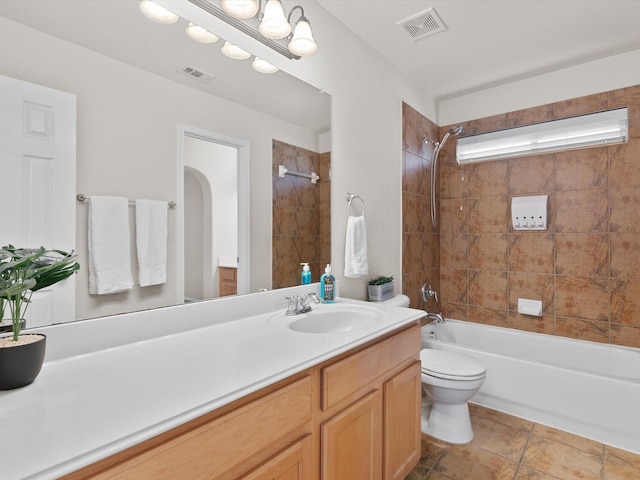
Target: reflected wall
column 301, row 214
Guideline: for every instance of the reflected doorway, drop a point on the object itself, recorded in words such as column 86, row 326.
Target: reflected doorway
column 215, row 215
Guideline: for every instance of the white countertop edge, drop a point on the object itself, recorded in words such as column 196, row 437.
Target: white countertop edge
column 100, row 453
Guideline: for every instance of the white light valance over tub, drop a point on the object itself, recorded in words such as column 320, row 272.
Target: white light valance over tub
column 603, row 128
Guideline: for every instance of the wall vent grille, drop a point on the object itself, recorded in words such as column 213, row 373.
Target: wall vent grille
column 193, row 72
column 423, row 24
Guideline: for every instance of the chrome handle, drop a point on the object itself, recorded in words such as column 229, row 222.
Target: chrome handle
column 427, row 293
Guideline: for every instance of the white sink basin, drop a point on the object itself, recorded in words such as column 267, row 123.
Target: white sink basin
column 329, row 319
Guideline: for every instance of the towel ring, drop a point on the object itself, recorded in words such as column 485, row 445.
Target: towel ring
column 350, row 197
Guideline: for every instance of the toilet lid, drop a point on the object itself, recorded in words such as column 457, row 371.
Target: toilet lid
column 441, row 363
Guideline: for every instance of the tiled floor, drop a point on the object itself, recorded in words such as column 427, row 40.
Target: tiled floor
column 511, row 448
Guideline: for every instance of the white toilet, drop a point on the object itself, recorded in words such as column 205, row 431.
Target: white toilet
column 449, row 381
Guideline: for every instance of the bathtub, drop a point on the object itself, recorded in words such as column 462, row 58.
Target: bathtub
column 587, row 388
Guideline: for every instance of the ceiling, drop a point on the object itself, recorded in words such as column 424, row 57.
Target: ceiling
column 491, row 42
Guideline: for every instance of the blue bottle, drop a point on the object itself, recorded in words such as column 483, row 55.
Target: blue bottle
column 306, row 274
column 327, row 286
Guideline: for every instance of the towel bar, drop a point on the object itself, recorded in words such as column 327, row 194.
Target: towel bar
column 81, row 197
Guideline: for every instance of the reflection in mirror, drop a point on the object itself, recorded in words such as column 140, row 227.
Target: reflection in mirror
column 125, row 72
column 301, row 213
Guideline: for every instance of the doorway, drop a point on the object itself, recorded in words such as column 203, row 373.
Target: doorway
column 215, row 214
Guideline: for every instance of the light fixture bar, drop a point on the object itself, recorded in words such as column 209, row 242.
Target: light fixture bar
column 595, row 129
column 243, row 27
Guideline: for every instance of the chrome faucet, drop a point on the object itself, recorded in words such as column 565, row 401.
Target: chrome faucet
column 298, row 304
column 435, row 316
column 427, row 293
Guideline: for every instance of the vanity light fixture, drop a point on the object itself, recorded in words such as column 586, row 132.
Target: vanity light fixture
column 591, row 130
column 262, row 66
column 157, row 13
column 269, row 25
column 274, row 24
column 200, row 35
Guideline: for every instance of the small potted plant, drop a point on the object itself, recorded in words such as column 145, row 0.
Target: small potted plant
column 380, row 289
column 22, row 272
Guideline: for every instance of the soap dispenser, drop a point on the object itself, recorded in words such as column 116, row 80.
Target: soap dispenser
column 306, row 274
column 327, row 286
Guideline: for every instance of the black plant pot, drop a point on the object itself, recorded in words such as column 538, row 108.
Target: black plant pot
column 20, row 365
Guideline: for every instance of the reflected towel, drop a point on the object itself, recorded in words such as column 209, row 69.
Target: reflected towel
column 151, row 241
column 109, row 245
column 355, row 253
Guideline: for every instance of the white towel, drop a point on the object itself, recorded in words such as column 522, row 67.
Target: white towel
column 355, row 253
column 151, row 241
column 109, row 245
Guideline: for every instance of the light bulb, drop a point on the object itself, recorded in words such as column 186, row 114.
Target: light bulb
column 157, row 13
column 302, row 42
column 232, row 51
column 199, row 34
column 263, row 66
column 274, row 24
column 242, row 9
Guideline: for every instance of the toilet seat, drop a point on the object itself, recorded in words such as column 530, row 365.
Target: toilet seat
column 450, row 366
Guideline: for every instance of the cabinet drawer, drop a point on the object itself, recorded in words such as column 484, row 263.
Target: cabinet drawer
column 228, row 274
column 293, row 463
column 211, row 450
column 348, row 376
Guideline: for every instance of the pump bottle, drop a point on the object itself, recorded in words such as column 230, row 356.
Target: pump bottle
column 327, row 286
column 306, row 274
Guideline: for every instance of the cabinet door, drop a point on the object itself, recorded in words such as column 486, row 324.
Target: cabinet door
column 293, row 463
column 352, row 441
column 402, row 397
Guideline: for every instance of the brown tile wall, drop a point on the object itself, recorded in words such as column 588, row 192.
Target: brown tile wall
column 585, row 267
column 301, row 215
column 420, row 242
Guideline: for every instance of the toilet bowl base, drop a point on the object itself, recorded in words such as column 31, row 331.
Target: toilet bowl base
column 449, row 422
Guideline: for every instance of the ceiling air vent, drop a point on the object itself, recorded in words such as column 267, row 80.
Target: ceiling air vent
column 423, row 24
column 197, row 74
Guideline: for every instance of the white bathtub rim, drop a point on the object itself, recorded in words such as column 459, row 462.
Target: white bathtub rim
column 554, row 338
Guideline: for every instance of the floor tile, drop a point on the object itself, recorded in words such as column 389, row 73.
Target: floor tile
column 620, row 465
column 527, row 473
column 463, row 462
column 561, row 460
column 548, row 454
column 504, row 418
column 567, row 438
column 499, row 438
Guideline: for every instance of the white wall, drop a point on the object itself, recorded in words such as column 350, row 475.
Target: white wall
column 611, row 73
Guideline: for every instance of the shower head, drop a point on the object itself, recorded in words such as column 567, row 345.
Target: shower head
column 455, row 131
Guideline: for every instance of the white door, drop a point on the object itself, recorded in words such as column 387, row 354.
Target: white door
column 38, row 181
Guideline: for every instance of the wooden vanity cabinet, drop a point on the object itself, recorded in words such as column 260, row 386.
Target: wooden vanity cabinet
column 371, row 411
column 228, row 281
column 354, row 417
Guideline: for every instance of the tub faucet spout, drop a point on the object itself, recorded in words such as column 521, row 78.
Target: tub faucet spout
column 435, row 316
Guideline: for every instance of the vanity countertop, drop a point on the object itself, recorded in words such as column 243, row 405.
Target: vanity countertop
column 88, row 405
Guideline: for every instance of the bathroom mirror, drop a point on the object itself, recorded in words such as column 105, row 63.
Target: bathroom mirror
column 156, row 57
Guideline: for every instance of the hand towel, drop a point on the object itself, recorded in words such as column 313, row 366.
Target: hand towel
column 151, row 241
column 355, row 253
column 109, row 245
